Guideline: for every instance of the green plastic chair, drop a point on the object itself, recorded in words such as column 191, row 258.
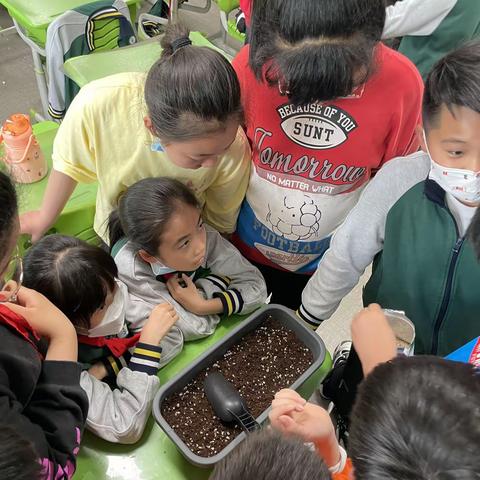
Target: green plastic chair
column 31, row 19
column 229, row 27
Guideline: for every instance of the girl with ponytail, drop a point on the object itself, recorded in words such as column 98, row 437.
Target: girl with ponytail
column 181, row 120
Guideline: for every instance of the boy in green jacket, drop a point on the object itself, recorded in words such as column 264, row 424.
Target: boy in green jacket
column 411, row 222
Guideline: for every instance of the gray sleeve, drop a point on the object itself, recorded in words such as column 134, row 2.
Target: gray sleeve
column 233, row 278
column 415, row 17
column 189, row 325
column 120, row 415
column 357, row 241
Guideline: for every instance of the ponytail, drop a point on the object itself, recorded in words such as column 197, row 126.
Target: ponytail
column 191, row 91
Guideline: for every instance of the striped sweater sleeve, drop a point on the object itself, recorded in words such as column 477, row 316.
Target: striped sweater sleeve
column 146, row 358
column 232, row 301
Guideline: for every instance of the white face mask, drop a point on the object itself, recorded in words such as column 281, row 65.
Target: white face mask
column 114, row 318
column 159, row 268
column 464, row 185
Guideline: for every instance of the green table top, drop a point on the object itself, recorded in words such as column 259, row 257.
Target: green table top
column 78, row 214
column 136, row 58
column 31, row 195
column 155, row 457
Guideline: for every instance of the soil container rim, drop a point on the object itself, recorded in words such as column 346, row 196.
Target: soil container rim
column 208, row 462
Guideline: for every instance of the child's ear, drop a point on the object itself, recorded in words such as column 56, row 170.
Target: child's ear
column 147, row 121
column 421, row 138
column 146, row 257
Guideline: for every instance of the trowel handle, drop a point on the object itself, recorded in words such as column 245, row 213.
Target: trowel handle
column 248, row 423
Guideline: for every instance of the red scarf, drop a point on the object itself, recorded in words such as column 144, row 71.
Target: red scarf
column 19, row 325
column 118, row 346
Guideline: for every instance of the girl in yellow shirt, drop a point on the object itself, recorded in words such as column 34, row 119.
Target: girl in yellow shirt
column 180, row 120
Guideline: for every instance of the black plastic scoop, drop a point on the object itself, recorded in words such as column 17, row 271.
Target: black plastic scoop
column 227, row 402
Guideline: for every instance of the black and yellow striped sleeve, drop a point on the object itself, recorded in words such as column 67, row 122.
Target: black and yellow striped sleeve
column 115, row 364
column 232, row 301
column 146, row 358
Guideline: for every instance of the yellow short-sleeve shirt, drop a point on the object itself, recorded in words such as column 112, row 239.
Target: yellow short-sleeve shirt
column 103, row 138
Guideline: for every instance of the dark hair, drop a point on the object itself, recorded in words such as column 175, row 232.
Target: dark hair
column 418, row 418
column 8, row 211
column 75, row 276
column 145, row 209
column 315, row 47
column 191, row 91
column 18, row 460
column 267, row 455
column 453, row 81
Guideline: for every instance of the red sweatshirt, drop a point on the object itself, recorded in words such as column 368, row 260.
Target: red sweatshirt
column 311, row 163
column 246, row 7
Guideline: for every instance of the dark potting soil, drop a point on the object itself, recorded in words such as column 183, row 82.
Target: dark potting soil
column 262, row 363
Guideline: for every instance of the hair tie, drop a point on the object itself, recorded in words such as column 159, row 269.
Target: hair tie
column 180, row 43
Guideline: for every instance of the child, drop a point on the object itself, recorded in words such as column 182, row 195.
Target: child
column 266, row 455
column 460, row 24
column 411, row 221
column 165, row 253
column 181, row 121
column 414, row 418
column 40, row 394
column 326, row 105
column 81, row 280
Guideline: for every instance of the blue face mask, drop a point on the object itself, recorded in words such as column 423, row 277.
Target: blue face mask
column 156, row 146
column 160, row 269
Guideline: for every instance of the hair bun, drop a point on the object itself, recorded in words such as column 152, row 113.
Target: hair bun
column 175, row 38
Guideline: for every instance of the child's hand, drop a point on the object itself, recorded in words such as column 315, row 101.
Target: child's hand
column 293, row 415
column 187, row 296
column 42, row 315
column 161, row 320
column 34, row 223
column 48, row 321
column 373, row 338
column 98, row 370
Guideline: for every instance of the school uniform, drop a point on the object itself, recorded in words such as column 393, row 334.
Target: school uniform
column 120, row 404
column 225, row 274
column 414, row 232
column 460, row 25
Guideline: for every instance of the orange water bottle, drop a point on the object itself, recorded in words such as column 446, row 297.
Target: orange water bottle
column 22, row 154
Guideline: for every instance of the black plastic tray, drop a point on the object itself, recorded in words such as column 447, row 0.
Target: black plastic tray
column 283, row 315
